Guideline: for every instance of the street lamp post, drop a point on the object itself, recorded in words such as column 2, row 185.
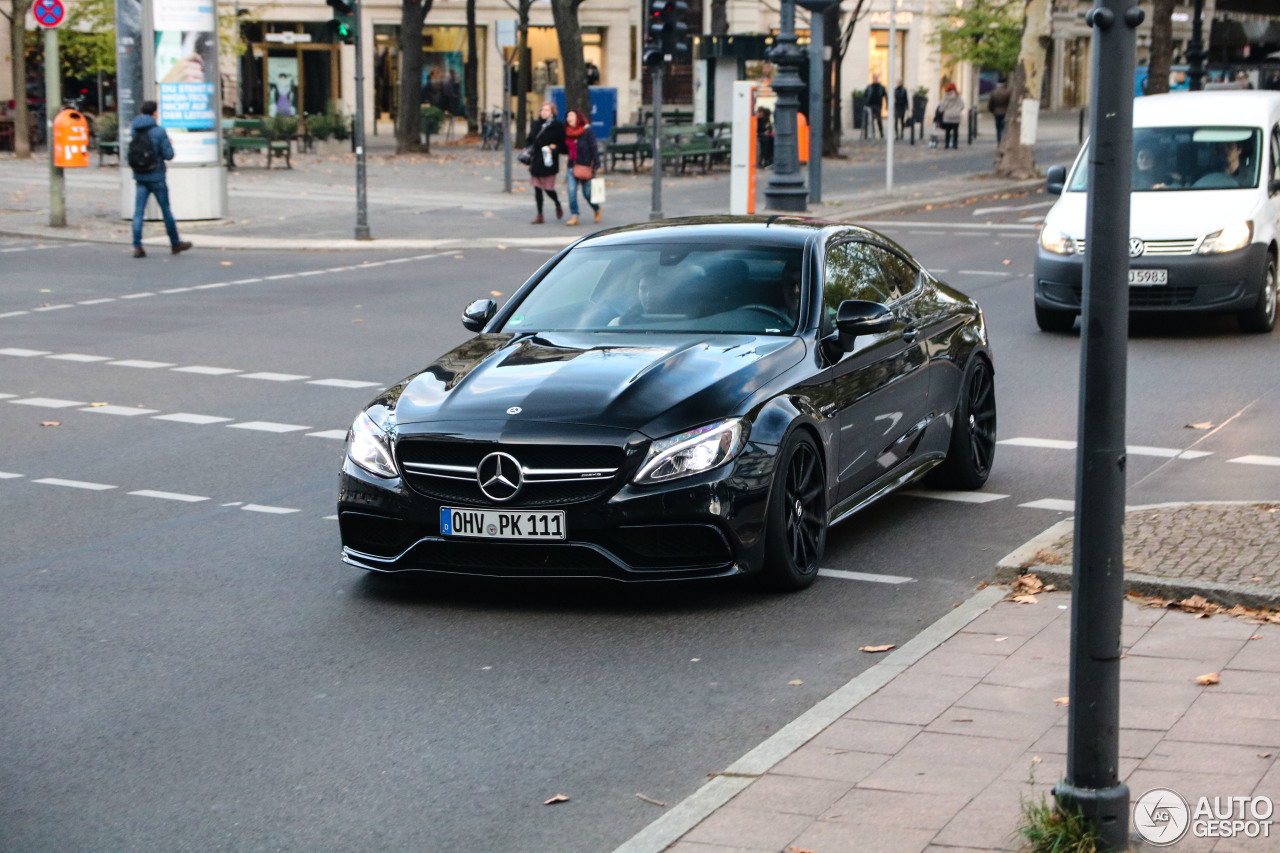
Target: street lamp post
column 817, row 89
column 362, row 198
column 1195, row 49
column 786, row 190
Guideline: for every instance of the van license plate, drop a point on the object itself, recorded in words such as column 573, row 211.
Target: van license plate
column 492, row 524
column 1148, row 276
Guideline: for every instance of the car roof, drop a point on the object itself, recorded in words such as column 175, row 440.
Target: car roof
column 1228, row 108
column 776, row 230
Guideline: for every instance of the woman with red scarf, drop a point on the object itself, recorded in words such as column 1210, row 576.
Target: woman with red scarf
column 584, row 161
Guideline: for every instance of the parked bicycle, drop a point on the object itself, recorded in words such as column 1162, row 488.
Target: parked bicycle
column 491, row 130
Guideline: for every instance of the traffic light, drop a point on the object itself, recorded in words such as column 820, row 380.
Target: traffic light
column 667, row 32
column 342, row 27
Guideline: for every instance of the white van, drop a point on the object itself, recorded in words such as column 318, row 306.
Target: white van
column 1204, row 212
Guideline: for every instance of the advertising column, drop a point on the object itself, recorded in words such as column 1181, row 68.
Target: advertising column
column 179, row 70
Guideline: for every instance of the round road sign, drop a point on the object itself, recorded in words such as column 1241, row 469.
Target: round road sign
column 49, row 13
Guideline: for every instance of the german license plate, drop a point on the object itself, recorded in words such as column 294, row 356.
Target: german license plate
column 495, row 524
column 1148, row 276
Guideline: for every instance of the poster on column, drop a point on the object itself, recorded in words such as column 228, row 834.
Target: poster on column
column 186, row 69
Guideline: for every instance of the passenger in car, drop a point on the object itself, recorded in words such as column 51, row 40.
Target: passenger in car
column 1149, row 173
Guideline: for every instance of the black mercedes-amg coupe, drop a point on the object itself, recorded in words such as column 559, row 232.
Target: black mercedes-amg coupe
column 688, row 398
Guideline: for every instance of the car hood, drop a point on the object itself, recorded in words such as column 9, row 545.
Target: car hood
column 1167, row 215
column 656, row 384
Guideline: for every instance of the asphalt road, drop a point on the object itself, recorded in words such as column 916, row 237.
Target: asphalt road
column 184, row 674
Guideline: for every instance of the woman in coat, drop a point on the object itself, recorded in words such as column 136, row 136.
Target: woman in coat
column 584, row 161
column 950, row 114
column 546, row 138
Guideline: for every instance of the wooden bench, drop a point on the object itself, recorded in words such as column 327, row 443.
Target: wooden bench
column 250, row 134
column 108, row 149
column 701, row 143
column 629, row 142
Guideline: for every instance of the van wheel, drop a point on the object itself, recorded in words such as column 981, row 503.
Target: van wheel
column 1262, row 316
column 1053, row 320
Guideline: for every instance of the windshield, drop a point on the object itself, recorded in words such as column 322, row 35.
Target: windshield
column 1187, row 158
column 664, row 287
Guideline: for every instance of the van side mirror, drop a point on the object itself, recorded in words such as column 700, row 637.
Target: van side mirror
column 1273, row 186
column 857, row 317
column 478, row 314
column 1055, row 180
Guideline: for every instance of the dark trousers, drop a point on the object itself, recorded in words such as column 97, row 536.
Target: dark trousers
column 999, row 129
column 900, row 124
column 951, row 139
column 161, row 191
column 876, row 121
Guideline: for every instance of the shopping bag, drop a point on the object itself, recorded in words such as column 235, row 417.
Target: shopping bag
column 597, row 190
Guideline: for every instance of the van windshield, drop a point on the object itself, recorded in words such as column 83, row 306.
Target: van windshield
column 1187, row 158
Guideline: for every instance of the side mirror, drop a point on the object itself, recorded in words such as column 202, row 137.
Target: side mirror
column 478, row 314
column 857, row 317
column 1055, row 180
column 1273, row 187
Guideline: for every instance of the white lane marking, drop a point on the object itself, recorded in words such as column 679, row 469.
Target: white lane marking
column 23, row 353
column 168, row 496
column 177, row 290
column 1009, row 207
column 97, row 301
column 1257, row 460
column 864, row 576
column 140, row 363
column 125, row 411
column 343, row 383
column 1054, row 504
column 1166, row 452
column 268, row 426
column 74, row 484
column 273, row 377
column 278, row 277
column 245, row 281
column 958, row 497
column 142, row 295
column 12, row 314
column 339, row 434
column 927, row 233
column 48, row 402
column 78, row 356
column 1016, row 236
column 1049, row 443
column 213, row 286
column 53, row 307
column 205, row 371
column 273, row 510
column 312, row 272
column 188, row 418
column 7, row 475
column 7, row 396
column 330, row 518
column 958, row 226
column 983, row 272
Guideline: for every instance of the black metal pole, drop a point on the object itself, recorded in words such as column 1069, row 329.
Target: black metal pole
column 362, row 197
column 506, row 126
column 1195, row 48
column 817, row 92
column 1092, row 784
column 656, row 212
column 786, row 190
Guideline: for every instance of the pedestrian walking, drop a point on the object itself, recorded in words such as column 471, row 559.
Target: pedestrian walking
column 148, row 151
column 949, row 115
column 764, row 138
column 584, row 161
column 546, row 143
column 901, row 103
column 875, row 97
column 998, row 104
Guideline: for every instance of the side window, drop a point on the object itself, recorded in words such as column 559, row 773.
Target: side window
column 853, row 272
column 899, row 273
column 1275, row 153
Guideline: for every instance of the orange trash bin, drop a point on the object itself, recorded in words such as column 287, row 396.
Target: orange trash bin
column 70, row 140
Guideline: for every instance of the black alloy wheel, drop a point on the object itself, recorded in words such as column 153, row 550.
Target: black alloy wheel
column 797, row 525
column 1262, row 316
column 973, row 433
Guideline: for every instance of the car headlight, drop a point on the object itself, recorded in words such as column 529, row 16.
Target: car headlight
column 692, row 452
column 369, row 446
column 1053, row 240
column 1229, row 239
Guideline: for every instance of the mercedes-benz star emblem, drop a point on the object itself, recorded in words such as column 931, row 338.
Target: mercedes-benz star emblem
column 499, row 476
column 514, row 410
column 1136, row 247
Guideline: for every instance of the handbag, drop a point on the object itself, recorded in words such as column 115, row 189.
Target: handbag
column 582, row 171
column 526, row 156
column 597, row 190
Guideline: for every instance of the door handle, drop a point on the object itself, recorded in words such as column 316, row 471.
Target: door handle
column 909, row 335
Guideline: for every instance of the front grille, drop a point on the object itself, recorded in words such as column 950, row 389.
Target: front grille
column 668, row 546
column 1156, row 296
column 552, row 473
column 1157, row 247
column 509, row 558
column 376, row 534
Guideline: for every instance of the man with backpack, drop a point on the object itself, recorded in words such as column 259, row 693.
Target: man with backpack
column 148, row 150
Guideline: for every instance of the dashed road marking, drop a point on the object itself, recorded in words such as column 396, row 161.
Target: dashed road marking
column 142, row 295
column 343, row 383
column 864, row 576
column 268, row 426
column 958, row 497
column 101, row 301
column 168, row 496
column 54, row 307
column 12, row 314
column 48, row 402
column 23, row 353
column 1132, row 449
column 273, row 377
column 9, row 475
column 1055, row 504
column 79, row 356
column 1257, row 460
column 205, row 371
column 270, row 510
column 339, row 434
column 188, row 418
column 140, row 363
column 74, row 484
column 123, row 411
column 176, row 290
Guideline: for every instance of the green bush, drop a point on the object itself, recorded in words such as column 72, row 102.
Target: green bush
column 281, row 127
column 432, row 119
column 108, row 127
column 320, row 126
column 341, row 126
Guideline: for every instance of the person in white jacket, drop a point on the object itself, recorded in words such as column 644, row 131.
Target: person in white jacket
column 950, row 114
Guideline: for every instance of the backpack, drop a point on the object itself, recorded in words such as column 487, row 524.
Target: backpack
column 142, row 153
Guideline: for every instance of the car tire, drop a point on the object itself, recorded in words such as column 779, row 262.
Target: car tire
column 796, row 528
column 973, row 432
column 1261, row 317
column 1054, row 320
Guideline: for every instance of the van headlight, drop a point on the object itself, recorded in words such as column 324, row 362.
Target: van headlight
column 369, row 446
column 1053, row 240
column 1229, row 239
column 692, row 452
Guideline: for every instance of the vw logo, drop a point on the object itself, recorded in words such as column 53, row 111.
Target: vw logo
column 514, row 410
column 499, row 476
column 1136, row 247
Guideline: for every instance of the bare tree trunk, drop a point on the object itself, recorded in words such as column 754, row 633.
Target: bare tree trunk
column 18, row 64
column 472, row 71
column 832, row 118
column 409, row 116
column 1013, row 159
column 1161, row 47
column 719, row 18
column 525, row 78
column 574, row 67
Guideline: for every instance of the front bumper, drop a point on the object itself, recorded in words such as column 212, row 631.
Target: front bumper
column 711, row 525
column 1203, row 283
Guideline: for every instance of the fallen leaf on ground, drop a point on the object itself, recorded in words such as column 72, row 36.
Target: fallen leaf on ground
column 1063, row 700
column 1264, row 755
column 558, row 798
column 795, row 683
column 1256, row 637
column 1001, row 639
column 51, row 423
column 1208, row 678
column 1006, row 262
column 873, row 649
column 496, row 294
column 1029, row 584
column 96, row 405
column 1205, row 425
column 225, row 263
column 795, row 849
column 1026, row 599
column 1194, row 603
column 651, row 800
